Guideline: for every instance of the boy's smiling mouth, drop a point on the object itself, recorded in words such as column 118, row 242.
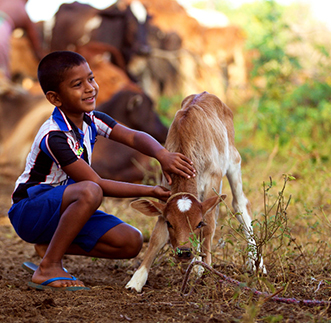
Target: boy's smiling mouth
column 90, row 98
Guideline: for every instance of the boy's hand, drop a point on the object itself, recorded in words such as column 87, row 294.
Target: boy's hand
column 175, row 163
column 161, row 192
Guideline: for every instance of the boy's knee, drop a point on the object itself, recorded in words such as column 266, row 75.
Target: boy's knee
column 135, row 243
column 91, row 192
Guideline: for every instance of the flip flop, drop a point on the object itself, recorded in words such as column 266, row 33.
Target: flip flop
column 30, row 267
column 44, row 285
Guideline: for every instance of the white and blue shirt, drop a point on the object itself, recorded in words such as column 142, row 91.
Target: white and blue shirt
column 60, row 143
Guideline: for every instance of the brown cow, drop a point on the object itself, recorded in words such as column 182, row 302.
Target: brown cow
column 210, row 59
column 121, row 26
column 136, row 110
column 158, row 73
column 203, row 131
column 21, row 115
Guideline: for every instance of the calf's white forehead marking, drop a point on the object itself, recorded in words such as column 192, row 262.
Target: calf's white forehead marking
column 139, row 11
column 184, row 204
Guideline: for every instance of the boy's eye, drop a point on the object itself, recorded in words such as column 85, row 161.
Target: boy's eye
column 77, row 84
column 91, row 79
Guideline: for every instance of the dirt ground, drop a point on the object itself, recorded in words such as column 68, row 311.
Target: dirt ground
column 161, row 299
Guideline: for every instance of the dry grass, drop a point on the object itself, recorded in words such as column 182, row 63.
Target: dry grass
column 297, row 258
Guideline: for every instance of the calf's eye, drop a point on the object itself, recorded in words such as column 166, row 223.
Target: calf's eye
column 201, row 224
column 168, row 224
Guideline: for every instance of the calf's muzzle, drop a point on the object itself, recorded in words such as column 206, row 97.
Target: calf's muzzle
column 183, row 253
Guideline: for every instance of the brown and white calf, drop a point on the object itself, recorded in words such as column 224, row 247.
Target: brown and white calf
column 203, row 131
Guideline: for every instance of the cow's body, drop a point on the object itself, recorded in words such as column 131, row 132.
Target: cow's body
column 21, row 116
column 136, row 110
column 203, row 131
column 158, row 73
column 122, row 27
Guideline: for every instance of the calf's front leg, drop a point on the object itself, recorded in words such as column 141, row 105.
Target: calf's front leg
column 158, row 239
column 207, row 236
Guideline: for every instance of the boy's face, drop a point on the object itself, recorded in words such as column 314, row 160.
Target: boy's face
column 78, row 92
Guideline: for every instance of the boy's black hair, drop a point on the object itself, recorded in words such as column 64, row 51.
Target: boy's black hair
column 52, row 68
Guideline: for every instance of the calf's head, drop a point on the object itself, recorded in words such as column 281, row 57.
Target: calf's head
column 185, row 217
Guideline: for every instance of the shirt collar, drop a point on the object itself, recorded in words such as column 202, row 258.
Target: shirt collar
column 63, row 121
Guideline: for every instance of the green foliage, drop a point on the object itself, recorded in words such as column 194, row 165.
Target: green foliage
column 286, row 107
column 167, row 107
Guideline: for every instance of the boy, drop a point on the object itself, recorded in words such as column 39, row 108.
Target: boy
column 55, row 200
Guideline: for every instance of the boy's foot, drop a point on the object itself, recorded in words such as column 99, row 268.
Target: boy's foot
column 30, row 267
column 45, row 285
column 41, row 249
column 54, row 277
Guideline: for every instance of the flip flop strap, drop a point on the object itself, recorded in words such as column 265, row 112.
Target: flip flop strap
column 45, row 283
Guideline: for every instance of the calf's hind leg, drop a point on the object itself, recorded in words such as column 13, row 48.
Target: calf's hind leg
column 242, row 210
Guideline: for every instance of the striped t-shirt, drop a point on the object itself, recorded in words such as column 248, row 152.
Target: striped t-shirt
column 60, row 143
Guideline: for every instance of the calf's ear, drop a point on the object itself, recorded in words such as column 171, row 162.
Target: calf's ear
column 147, row 207
column 210, row 203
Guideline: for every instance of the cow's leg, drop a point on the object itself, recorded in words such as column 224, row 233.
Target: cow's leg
column 158, row 239
column 208, row 234
column 210, row 218
column 242, row 210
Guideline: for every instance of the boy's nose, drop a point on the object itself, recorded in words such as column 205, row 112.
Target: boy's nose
column 89, row 88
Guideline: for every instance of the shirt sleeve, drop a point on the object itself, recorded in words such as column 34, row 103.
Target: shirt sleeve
column 56, row 146
column 104, row 123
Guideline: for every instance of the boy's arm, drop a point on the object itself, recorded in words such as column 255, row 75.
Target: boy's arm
column 170, row 162
column 81, row 171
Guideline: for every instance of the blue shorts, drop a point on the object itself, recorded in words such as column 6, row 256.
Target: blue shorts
column 36, row 218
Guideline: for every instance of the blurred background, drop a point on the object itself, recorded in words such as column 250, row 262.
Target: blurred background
column 269, row 61
column 41, row 10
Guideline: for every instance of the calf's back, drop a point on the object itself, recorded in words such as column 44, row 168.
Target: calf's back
column 203, row 131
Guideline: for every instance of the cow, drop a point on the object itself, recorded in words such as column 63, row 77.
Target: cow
column 121, row 26
column 211, row 57
column 21, row 115
column 158, row 73
column 112, row 160
column 136, row 111
column 203, row 131
column 118, row 162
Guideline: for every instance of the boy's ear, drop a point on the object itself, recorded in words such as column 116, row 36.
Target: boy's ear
column 53, row 98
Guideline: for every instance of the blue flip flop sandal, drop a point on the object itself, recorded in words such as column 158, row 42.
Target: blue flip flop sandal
column 30, row 267
column 44, row 285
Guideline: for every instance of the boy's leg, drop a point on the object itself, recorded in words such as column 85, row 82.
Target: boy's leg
column 80, row 201
column 121, row 242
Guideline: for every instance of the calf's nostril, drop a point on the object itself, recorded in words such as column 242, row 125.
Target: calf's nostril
column 183, row 253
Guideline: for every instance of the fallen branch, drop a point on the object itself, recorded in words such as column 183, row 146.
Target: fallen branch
column 243, row 286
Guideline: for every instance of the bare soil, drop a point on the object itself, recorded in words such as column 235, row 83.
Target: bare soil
column 161, row 300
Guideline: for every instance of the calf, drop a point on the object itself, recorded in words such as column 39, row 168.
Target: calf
column 203, row 131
